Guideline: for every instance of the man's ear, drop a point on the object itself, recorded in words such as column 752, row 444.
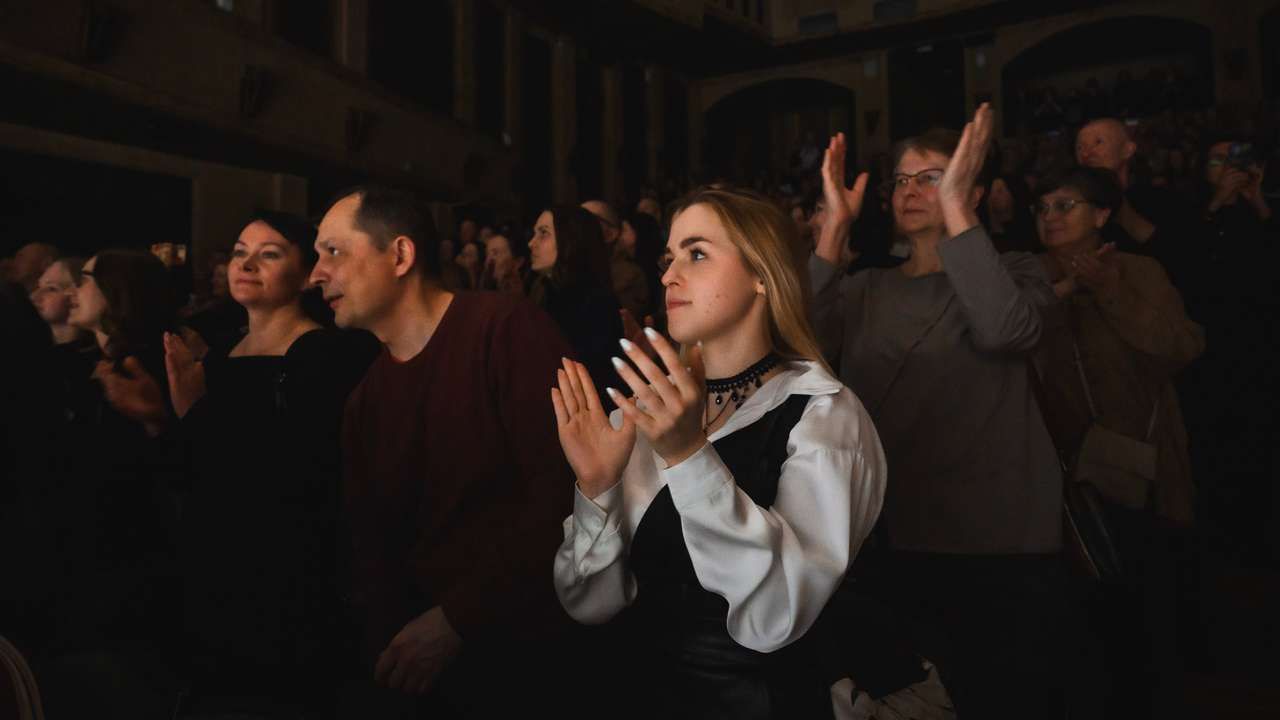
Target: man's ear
column 405, row 254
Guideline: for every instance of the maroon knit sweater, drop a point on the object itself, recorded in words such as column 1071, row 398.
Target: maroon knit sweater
column 455, row 483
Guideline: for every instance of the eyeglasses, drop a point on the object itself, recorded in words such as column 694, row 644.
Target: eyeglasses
column 929, row 177
column 1062, row 206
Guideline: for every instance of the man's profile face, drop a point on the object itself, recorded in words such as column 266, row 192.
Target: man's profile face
column 358, row 279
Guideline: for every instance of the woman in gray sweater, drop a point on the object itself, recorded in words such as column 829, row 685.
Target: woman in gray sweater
column 937, row 349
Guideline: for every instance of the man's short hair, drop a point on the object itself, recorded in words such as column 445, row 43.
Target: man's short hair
column 387, row 213
column 1111, row 122
column 1098, row 186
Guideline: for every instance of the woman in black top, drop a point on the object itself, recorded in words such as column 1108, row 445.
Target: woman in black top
column 107, row 510
column 261, row 422
column 568, row 253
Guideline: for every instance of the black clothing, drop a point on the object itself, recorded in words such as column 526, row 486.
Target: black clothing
column 259, row 538
column 220, row 324
column 693, row 668
column 589, row 320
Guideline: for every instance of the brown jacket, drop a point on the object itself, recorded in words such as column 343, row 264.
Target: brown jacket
column 1132, row 343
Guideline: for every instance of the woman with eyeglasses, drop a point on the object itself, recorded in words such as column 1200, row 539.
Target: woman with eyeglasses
column 74, row 351
column 937, row 348
column 1108, row 356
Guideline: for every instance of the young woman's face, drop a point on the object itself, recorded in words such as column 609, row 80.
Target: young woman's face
column 265, row 269
column 710, row 291
column 88, row 304
column 52, row 296
column 542, row 246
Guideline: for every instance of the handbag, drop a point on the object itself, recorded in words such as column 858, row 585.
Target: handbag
column 1122, row 468
column 1087, row 539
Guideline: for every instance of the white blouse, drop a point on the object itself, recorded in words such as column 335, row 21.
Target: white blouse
column 776, row 566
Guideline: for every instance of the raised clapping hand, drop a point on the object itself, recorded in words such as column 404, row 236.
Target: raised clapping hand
column 844, row 205
column 673, row 405
column 186, row 374
column 1098, row 270
column 595, row 450
column 133, row 393
column 955, row 192
column 671, row 418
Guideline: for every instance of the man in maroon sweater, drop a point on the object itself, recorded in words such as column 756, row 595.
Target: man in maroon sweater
column 455, row 485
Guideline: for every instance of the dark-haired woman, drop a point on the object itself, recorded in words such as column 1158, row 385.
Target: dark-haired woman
column 261, row 422
column 108, row 509
column 568, row 253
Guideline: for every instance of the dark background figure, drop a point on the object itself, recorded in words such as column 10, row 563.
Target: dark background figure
column 1229, row 391
column 1007, row 214
column 111, row 601
column 642, row 240
column 506, row 261
column 573, row 286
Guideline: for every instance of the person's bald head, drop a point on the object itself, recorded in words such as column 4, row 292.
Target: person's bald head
column 610, row 223
column 30, row 262
column 1105, row 143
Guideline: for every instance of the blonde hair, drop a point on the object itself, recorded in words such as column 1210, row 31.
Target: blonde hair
column 770, row 246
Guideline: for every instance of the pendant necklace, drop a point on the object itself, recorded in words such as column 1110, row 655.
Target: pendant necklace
column 723, row 391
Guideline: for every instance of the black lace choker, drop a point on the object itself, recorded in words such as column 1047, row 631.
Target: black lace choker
column 739, row 385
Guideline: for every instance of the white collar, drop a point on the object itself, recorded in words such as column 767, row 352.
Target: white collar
column 798, row 377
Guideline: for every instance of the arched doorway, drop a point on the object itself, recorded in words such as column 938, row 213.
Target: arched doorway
column 759, row 131
column 1129, row 67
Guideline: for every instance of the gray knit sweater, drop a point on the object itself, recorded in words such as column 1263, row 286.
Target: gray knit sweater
column 940, row 361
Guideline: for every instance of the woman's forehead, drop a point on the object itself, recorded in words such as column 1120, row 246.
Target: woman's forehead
column 914, row 160
column 1064, row 191
column 696, row 220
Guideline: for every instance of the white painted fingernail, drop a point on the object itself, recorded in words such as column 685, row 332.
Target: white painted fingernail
column 626, row 344
column 617, row 363
column 613, row 394
column 651, row 333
